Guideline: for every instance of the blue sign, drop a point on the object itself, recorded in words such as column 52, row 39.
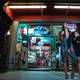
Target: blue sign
column 39, row 30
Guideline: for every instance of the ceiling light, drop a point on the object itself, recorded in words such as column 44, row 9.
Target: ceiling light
column 61, row 7
column 74, row 7
column 29, row 7
column 66, row 7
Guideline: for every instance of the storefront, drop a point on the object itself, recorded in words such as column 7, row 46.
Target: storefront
column 35, row 34
column 36, row 42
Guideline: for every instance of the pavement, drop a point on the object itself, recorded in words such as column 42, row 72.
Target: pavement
column 33, row 75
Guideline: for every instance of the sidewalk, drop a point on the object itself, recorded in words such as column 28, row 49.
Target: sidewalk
column 61, row 74
column 33, row 75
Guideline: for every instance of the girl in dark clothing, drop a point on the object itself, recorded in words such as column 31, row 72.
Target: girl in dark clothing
column 67, row 51
column 64, row 50
column 76, row 46
column 76, row 43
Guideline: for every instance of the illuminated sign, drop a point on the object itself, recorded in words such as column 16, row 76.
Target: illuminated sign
column 22, row 30
column 72, row 27
column 39, row 30
column 40, row 47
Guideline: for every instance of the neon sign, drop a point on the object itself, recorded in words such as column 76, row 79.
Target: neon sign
column 39, row 30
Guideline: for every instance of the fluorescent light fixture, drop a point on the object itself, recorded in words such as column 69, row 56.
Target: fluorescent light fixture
column 61, row 7
column 74, row 7
column 28, row 7
column 66, row 7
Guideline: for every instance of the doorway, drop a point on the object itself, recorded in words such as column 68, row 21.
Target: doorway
column 35, row 44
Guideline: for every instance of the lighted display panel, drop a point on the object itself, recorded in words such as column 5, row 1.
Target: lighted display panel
column 22, row 33
column 72, row 27
column 38, row 30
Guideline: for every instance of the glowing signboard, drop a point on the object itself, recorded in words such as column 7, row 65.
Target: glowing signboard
column 39, row 30
column 72, row 27
column 40, row 47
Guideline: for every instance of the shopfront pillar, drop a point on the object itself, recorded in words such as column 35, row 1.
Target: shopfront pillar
column 13, row 45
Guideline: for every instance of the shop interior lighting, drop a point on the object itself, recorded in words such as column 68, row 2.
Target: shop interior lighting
column 28, row 7
column 66, row 7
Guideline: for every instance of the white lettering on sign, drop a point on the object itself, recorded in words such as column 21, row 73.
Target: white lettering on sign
column 40, row 48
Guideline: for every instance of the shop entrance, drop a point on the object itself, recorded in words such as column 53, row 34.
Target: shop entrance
column 35, row 44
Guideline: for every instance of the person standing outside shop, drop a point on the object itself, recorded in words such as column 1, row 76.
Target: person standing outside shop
column 64, row 53
column 67, row 50
column 73, row 39
column 76, row 46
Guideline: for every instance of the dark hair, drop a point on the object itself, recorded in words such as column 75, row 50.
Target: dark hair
column 63, row 29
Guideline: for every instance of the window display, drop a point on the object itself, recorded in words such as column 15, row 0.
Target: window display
column 37, row 40
column 40, row 43
column 31, row 57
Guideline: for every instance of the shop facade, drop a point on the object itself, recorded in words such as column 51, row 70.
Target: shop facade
column 34, row 44
column 34, row 39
